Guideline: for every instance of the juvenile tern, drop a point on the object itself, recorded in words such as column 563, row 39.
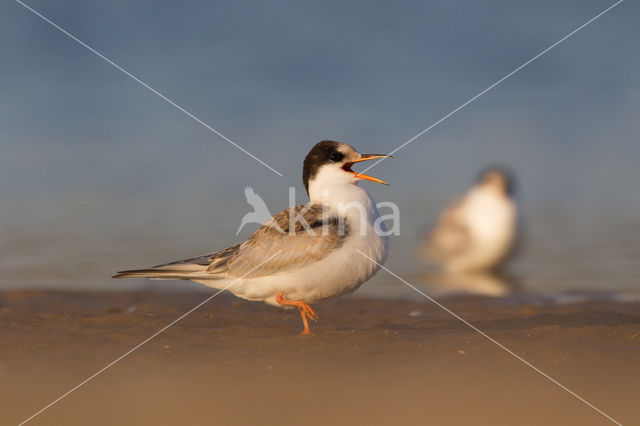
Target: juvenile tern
column 478, row 232
column 314, row 246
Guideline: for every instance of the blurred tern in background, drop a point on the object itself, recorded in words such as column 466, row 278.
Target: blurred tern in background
column 479, row 231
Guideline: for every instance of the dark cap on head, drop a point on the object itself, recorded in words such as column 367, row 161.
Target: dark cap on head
column 498, row 175
column 322, row 153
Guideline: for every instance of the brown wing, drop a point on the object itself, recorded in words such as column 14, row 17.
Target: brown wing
column 450, row 236
column 300, row 235
column 217, row 258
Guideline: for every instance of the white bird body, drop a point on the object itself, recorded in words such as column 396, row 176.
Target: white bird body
column 491, row 219
column 476, row 233
column 340, row 272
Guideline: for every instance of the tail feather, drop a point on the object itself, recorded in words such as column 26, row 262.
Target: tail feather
column 168, row 274
column 153, row 273
column 206, row 267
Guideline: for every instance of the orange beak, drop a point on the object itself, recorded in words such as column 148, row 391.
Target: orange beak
column 365, row 157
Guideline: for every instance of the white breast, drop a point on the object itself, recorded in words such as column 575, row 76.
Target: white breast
column 491, row 219
column 345, row 269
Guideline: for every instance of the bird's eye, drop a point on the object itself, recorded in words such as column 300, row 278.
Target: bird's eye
column 336, row 156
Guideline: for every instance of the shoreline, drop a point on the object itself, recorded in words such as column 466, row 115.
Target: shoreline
column 370, row 361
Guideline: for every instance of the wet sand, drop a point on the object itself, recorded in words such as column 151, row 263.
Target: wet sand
column 369, row 362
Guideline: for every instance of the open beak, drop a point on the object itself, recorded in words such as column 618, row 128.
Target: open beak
column 365, row 157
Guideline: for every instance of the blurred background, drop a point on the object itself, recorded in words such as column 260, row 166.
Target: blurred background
column 98, row 174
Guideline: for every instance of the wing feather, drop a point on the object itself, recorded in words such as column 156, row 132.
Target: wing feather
column 302, row 235
column 450, row 236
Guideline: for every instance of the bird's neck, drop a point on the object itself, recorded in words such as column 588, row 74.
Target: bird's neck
column 343, row 199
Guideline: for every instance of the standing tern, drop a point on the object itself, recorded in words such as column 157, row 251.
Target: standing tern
column 314, row 247
column 478, row 232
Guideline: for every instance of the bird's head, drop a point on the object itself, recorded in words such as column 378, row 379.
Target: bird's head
column 498, row 178
column 330, row 163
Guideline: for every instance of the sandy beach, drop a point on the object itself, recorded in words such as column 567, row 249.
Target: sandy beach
column 369, row 362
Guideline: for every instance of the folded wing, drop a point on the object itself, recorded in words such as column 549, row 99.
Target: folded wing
column 300, row 236
column 449, row 237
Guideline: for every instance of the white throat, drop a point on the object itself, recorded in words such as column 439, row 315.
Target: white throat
column 338, row 189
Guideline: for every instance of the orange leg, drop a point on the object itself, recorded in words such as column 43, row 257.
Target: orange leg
column 305, row 310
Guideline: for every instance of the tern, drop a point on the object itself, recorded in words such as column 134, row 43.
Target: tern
column 316, row 250
column 478, row 232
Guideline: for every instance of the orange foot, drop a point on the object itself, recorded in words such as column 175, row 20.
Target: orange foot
column 305, row 311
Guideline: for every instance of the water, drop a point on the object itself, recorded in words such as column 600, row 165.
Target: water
column 97, row 174
column 79, row 246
